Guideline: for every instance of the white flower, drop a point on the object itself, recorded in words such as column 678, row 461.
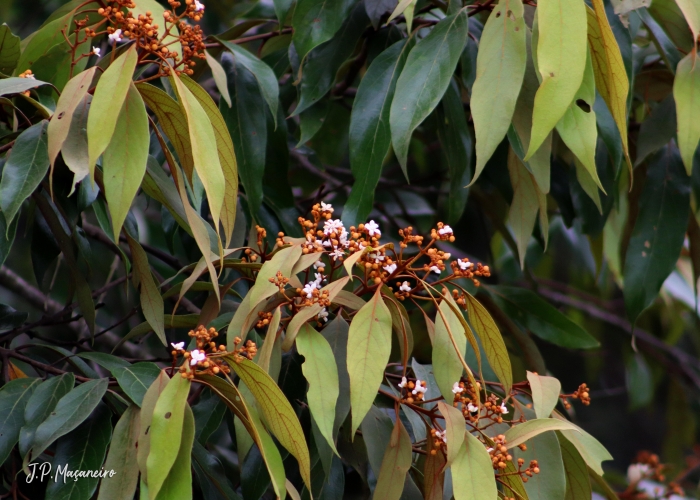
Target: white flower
column 319, row 278
column 116, row 36
column 197, row 356
column 472, row 408
column 435, row 269
column 446, row 256
column 309, row 289
column 636, row 472
column 404, row 382
column 326, row 207
column 464, row 264
column 390, row 268
column 456, row 389
column 29, row 76
column 405, row 287
column 419, row 388
column 652, row 489
column 343, row 238
column 489, row 450
column 96, row 51
column 373, row 228
column 198, row 6
column 323, row 315
column 445, row 230
column 337, row 254
column 441, row 435
column 376, row 257
column 180, row 346
column 327, row 243
column 504, row 410
column 318, row 264
column 333, row 226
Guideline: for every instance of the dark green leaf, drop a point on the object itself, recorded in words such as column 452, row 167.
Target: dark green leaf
column 14, row 397
column 395, row 464
column 122, row 458
column 83, row 449
column 149, row 294
column 136, row 379
column 9, row 50
column 657, row 129
column 17, row 85
column 108, row 361
column 377, row 8
column 640, row 383
column 10, row 318
column 208, row 413
column 376, row 430
column 658, row 234
column 578, row 486
column 316, row 21
column 667, row 49
column 24, row 170
column 211, row 475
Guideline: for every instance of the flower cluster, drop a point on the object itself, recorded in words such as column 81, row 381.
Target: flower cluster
column 414, row 391
column 582, row 394
column 247, row 350
column 206, row 358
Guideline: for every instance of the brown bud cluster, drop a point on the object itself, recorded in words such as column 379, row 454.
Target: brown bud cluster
column 582, row 394
column 279, row 281
column 499, row 453
column 247, row 350
column 207, row 356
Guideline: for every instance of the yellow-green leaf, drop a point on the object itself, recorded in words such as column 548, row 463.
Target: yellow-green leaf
column 472, row 471
column 561, row 61
column 545, row 393
column 178, row 484
column 455, row 430
column 265, row 354
column 124, row 160
column 219, row 75
column 520, row 433
column 395, row 464
column 578, row 485
column 686, row 92
column 588, row 184
column 321, row 373
column 609, row 69
column 369, row 348
column 691, row 12
column 151, row 300
column 107, row 102
column 277, row 412
column 449, row 347
column 500, row 69
column 122, row 457
column 147, row 405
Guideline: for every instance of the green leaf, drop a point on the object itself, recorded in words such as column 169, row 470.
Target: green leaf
column 691, row 11
column 105, row 360
column 10, row 318
column 472, row 471
column 543, row 319
column 590, row 449
column 545, row 393
column 369, row 347
column 136, row 379
column 74, row 149
column 658, row 128
column 107, row 102
column 71, row 410
column 528, row 200
column 377, row 428
column 322, row 63
column 609, row 69
column 7, row 238
column 500, row 69
column 43, row 40
column 455, row 431
column 219, row 75
column 276, row 411
column 321, row 373
column 156, row 9
column 14, row 397
column 640, row 381
column 447, row 365
column 513, row 482
column 375, row 10
column 149, row 294
column 686, row 92
column 578, row 485
column 40, row 405
column 9, row 50
column 561, row 61
column 521, row 433
column 496, row 353
column 122, row 458
column 211, row 475
column 248, row 128
column 204, row 150
column 83, row 449
column 16, row 85
column 178, row 484
column 336, row 333
column 166, row 432
column 24, row 170
column 267, row 81
column 395, row 464
column 425, row 79
column 149, row 403
column 316, row 21
column 124, row 160
column 659, row 231
column 671, row 19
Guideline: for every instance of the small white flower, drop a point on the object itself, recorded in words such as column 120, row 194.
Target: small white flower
column 309, row 289
column 419, row 388
column 456, row 389
column 116, row 36
column 326, row 207
column 441, row 435
column 198, row 6
column 445, row 230
column 504, row 410
column 319, row 278
column 180, row 346
column 435, row 269
column 327, row 244
column 472, row 408
column 373, row 228
column 405, row 287
column 96, row 51
column 323, row 315
column 376, row 257
column 337, row 254
column 637, row 472
column 404, row 382
column 489, row 450
column 464, row 264
column 390, row 268
column 197, row 356
column 318, row 264
column 333, row 226
column 446, row 256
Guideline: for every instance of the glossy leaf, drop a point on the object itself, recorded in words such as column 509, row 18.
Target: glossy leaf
column 166, row 432
column 136, row 379
column 369, row 347
column 124, row 160
column 561, row 61
column 472, row 471
column 449, row 339
column 321, row 373
column 71, row 410
column 500, row 69
column 108, row 99
column 122, row 457
column 316, row 21
column 545, row 393
column 9, row 50
column 658, row 234
column 520, row 434
column 578, row 486
column 14, row 397
column 686, row 92
column 395, row 464
column 24, row 170
column 424, row 79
